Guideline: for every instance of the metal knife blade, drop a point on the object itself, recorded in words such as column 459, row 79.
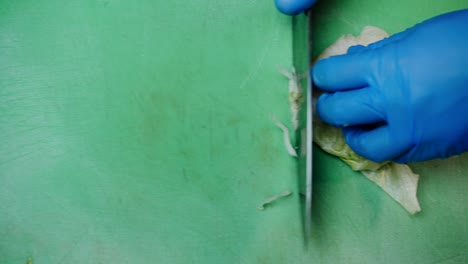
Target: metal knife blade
column 309, row 132
column 302, row 62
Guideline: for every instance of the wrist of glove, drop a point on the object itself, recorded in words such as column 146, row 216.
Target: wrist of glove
column 404, row 98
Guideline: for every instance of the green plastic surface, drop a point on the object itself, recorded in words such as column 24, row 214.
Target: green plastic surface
column 139, row 132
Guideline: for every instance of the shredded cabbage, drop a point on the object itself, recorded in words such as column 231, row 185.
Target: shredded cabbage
column 286, row 139
column 272, row 199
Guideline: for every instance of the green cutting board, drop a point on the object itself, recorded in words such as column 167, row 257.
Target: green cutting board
column 139, row 132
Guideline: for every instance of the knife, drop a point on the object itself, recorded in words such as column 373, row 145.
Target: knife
column 309, row 133
column 302, row 59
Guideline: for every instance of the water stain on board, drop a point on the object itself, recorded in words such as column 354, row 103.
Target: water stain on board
column 233, row 121
column 264, row 145
column 158, row 112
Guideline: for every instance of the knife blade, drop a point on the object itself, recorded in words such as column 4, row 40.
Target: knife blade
column 309, row 133
column 302, row 60
column 302, row 40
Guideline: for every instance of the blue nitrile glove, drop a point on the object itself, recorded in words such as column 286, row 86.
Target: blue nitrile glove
column 404, row 98
column 293, row 7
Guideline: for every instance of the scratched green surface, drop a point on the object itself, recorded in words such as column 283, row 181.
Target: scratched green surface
column 138, row 132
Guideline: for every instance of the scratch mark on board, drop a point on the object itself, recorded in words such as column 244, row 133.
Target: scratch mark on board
column 260, row 60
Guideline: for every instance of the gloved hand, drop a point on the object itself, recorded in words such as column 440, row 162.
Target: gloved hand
column 293, row 7
column 404, row 98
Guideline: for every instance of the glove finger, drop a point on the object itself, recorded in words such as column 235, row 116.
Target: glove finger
column 381, row 43
column 349, row 108
column 393, row 38
column 356, row 49
column 343, row 72
column 375, row 144
column 378, row 44
column 407, row 157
